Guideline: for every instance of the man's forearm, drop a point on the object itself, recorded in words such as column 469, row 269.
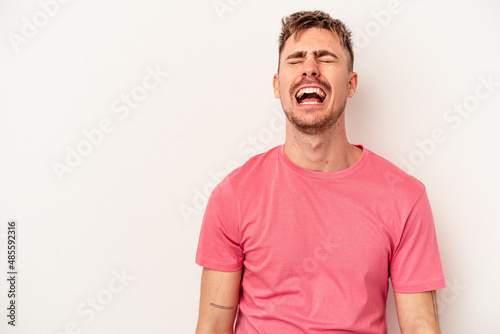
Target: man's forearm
column 211, row 330
column 218, row 301
column 418, row 313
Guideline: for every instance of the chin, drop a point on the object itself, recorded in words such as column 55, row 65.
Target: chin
column 314, row 121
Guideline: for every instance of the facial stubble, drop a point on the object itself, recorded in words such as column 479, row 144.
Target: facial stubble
column 314, row 125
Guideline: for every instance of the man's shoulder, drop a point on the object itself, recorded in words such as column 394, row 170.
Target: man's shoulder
column 252, row 171
column 253, row 164
column 393, row 177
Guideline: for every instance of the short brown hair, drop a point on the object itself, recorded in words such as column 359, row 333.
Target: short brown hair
column 296, row 22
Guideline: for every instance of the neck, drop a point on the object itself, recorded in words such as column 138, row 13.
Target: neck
column 325, row 152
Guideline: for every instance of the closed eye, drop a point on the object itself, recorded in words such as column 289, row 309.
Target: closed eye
column 327, row 60
column 322, row 56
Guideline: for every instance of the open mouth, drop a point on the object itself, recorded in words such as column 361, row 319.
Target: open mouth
column 310, row 95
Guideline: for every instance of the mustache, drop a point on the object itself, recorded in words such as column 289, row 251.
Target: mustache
column 324, row 85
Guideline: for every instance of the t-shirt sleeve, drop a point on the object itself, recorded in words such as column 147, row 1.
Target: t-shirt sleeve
column 416, row 263
column 219, row 246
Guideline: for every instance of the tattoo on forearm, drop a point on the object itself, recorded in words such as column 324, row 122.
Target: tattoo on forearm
column 222, row 307
column 434, row 304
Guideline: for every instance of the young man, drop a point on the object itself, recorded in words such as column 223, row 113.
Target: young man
column 303, row 238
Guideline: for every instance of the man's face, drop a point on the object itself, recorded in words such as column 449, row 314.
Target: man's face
column 313, row 81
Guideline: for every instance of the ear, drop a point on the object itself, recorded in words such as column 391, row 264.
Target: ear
column 353, row 84
column 276, row 86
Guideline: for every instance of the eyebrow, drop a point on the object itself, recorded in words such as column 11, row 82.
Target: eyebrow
column 321, row 53
column 316, row 53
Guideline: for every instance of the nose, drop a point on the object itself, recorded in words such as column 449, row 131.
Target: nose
column 311, row 68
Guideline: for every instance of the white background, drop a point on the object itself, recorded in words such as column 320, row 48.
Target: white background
column 133, row 205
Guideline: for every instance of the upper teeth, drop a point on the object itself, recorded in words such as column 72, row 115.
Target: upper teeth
column 310, row 90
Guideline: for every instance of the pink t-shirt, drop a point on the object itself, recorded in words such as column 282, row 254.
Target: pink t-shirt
column 317, row 249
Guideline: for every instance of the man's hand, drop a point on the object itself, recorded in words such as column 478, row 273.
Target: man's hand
column 219, row 297
column 417, row 312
